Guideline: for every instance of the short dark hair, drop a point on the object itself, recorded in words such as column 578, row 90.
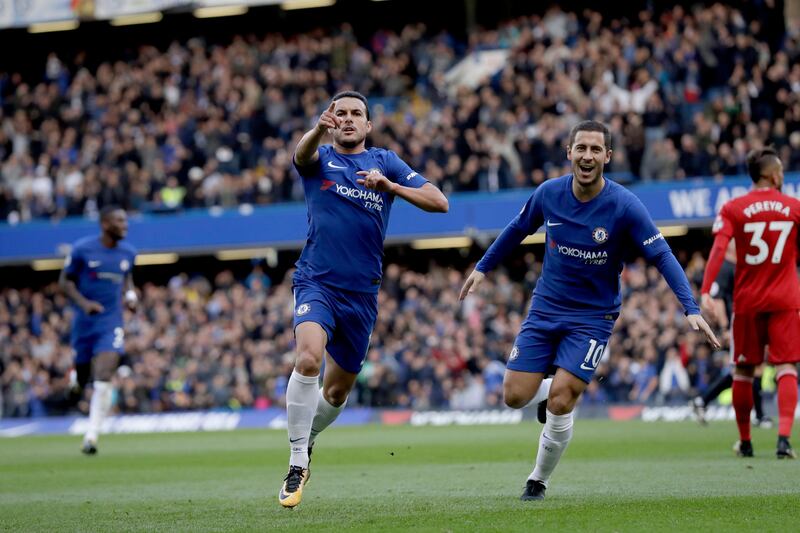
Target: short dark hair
column 759, row 160
column 353, row 94
column 106, row 211
column 590, row 125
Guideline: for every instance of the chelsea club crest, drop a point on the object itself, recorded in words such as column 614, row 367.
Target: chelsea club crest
column 600, row 235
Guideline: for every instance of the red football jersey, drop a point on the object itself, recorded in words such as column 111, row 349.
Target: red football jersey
column 764, row 225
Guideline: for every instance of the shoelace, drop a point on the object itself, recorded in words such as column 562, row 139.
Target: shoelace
column 293, row 478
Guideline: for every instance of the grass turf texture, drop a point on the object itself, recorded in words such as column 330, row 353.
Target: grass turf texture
column 615, row 476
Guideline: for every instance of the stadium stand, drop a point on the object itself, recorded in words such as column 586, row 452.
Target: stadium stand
column 685, row 92
column 227, row 343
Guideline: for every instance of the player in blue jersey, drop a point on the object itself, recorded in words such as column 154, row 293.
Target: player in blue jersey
column 96, row 274
column 349, row 193
column 592, row 224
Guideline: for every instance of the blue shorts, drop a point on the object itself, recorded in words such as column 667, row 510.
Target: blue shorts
column 87, row 344
column 346, row 316
column 576, row 344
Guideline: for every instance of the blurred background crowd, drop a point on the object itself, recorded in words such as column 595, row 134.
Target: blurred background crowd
column 686, row 91
column 199, row 343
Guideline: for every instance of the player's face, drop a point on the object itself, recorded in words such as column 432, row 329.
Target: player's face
column 588, row 155
column 354, row 126
column 115, row 225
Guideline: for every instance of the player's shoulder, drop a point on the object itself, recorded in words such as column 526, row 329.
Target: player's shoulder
column 85, row 243
column 382, row 154
column 127, row 247
column 554, row 185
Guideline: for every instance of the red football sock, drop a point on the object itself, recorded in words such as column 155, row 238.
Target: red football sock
column 743, row 404
column 787, row 401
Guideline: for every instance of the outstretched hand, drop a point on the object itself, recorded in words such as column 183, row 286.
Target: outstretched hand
column 698, row 323
column 471, row 284
column 327, row 120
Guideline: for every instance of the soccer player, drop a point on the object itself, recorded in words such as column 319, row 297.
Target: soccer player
column 766, row 293
column 96, row 274
column 591, row 223
column 722, row 294
column 349, row 193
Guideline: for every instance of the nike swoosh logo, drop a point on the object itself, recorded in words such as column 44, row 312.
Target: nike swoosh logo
column 295, row 440
column 551, row 224
column 330, row 164
column 584, row 367
column 282, row 495
column 94, row 264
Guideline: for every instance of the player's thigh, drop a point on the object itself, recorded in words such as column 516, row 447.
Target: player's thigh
column 83, row 348
column 583, row 346
column 520, row 387
column 748, row 338
column 783, row 331
column 313, row 321
column 107, row 348
column 355, row 318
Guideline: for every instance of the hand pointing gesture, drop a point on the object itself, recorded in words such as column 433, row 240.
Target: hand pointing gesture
column 327, row 120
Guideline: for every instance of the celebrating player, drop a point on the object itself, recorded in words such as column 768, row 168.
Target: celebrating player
column 766, row 293
column 591, row 225
column 349, row 193
column 95, row 275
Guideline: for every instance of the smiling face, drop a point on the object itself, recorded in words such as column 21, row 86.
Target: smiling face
column 588, row 155
column 353, row 124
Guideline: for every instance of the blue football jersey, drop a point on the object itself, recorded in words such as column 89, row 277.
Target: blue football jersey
column 586, row 246
column 99, row 273
column 347, row 222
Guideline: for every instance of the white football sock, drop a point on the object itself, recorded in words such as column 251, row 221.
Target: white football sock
column 543, row 392
column 326, row 414
column 99, row 406
column 553, row 441
column 301, row 404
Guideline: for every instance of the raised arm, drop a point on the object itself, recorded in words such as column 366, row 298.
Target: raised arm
column 305, row 153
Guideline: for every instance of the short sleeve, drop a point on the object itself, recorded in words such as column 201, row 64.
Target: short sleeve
column 723, row 224
column 75, row 261
column 399, row 172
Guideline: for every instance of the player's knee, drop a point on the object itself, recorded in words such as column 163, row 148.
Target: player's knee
column 560, row 402
column 336, row 395
column 104, row 366
column 514, row 398
column 307, row 363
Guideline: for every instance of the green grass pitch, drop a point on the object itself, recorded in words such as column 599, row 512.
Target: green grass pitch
column 616, row 476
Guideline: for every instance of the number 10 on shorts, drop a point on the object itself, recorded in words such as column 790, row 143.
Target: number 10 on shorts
column 593, row 356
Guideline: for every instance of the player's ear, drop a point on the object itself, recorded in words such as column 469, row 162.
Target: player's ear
column 608, row 156
column 369, row 126
column 569, row 153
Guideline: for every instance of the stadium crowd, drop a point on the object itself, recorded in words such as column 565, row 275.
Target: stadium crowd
column 685, row 91
column 225, row 343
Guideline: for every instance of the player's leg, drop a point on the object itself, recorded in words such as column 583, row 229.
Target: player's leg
column 582, row 345
column 104, row 364
column 748, row 340
column 557, row 431
column 699, row 404
column 784, row 353
column 762, row 420
column 313, row 328
column 742, row 392
column 336, row 386
column 355, row 319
